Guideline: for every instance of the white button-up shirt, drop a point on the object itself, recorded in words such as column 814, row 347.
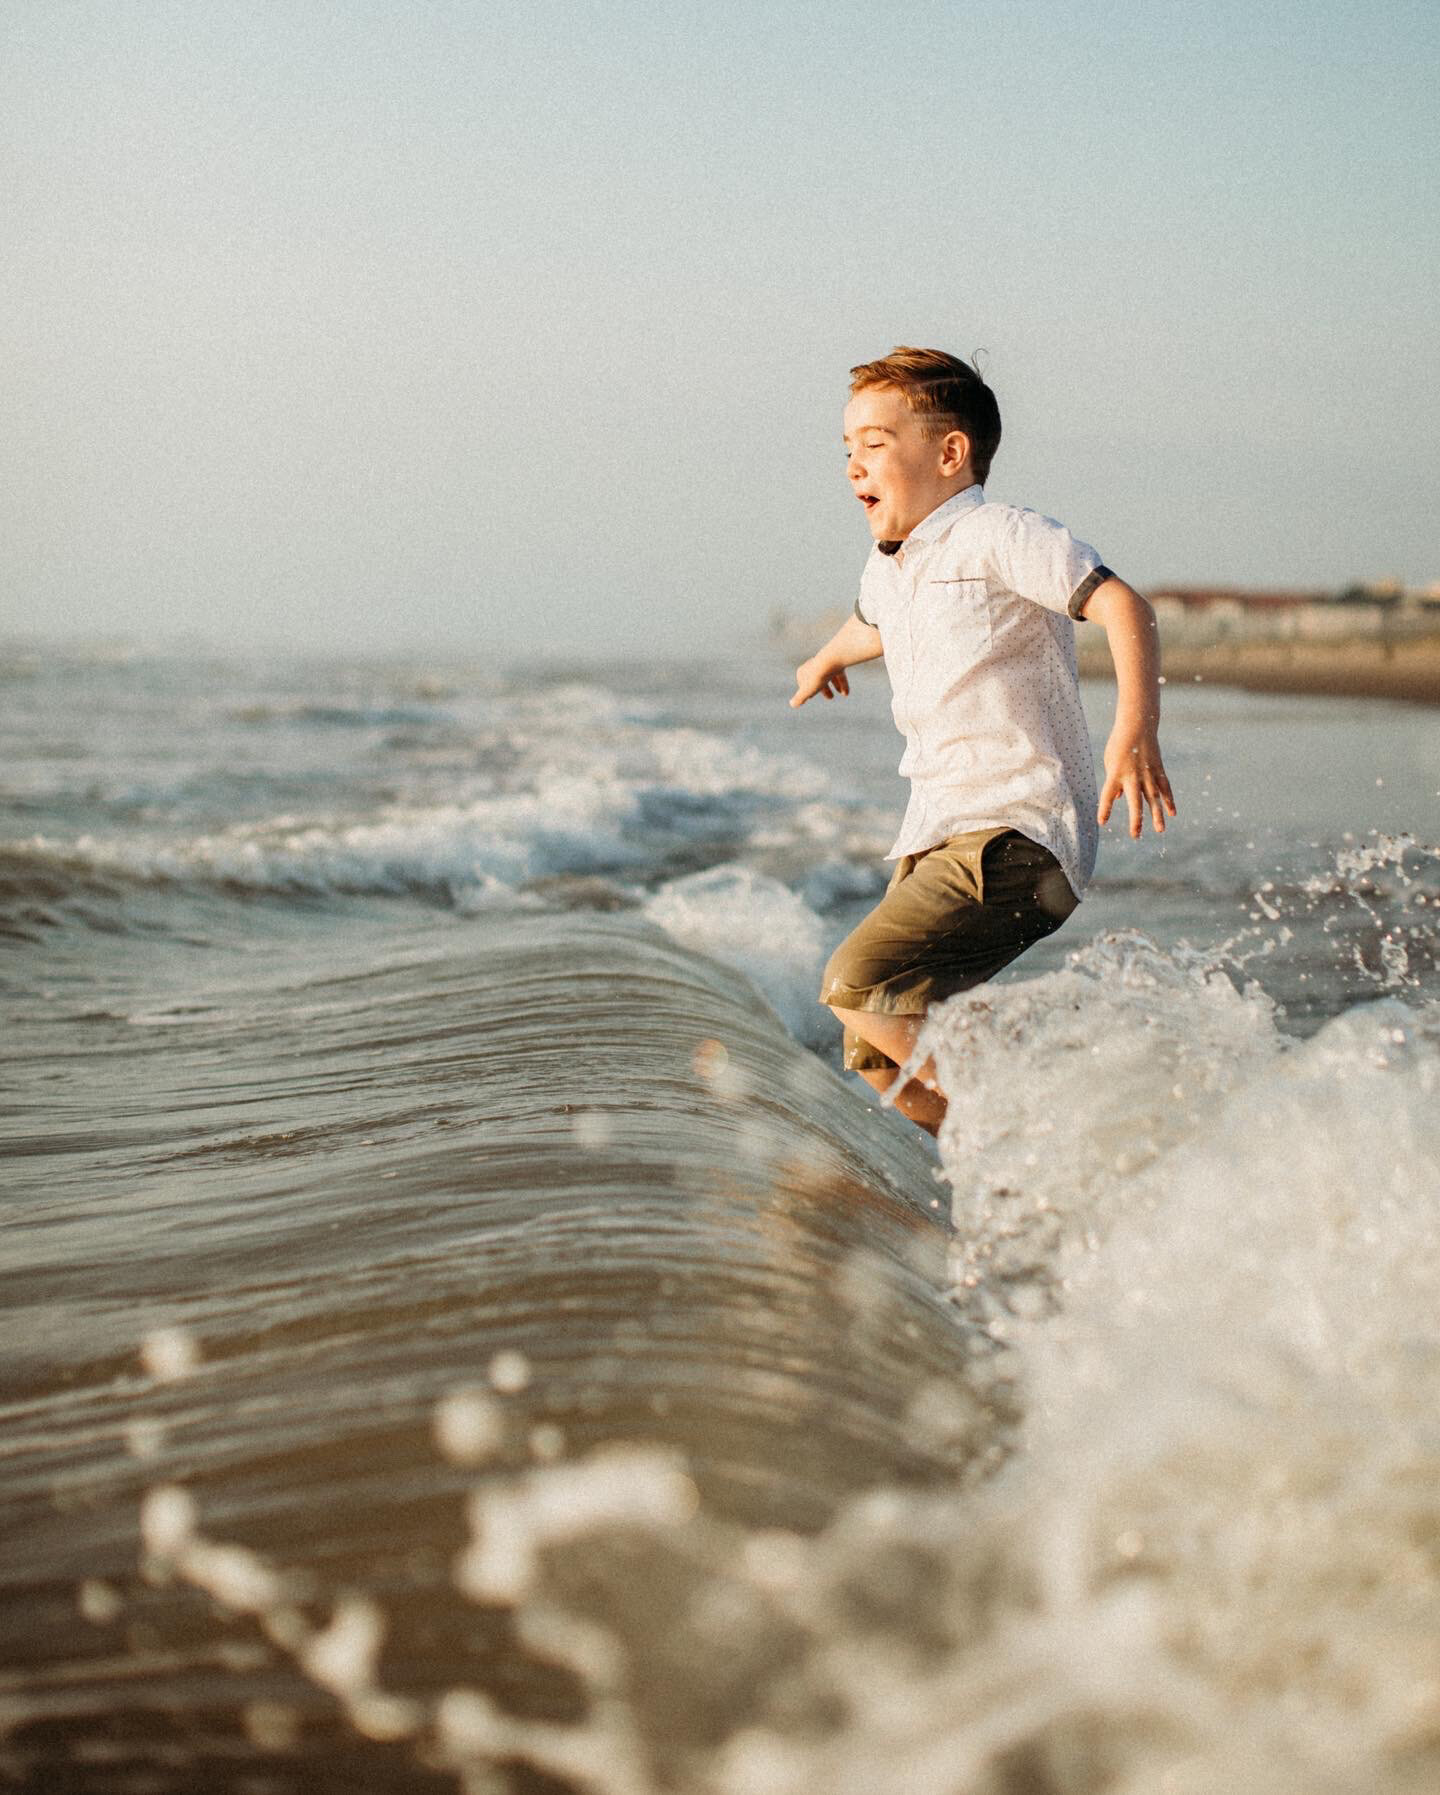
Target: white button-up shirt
column 975, row 619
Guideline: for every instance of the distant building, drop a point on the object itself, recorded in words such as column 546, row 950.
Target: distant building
column 1371, row 592
column 1236, row 598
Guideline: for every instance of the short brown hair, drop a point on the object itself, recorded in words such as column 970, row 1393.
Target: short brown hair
column 947, row 393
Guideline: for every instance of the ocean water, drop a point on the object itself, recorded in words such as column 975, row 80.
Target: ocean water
column 462, row 1331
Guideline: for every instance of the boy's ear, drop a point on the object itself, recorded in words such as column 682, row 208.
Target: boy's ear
column 954, row 452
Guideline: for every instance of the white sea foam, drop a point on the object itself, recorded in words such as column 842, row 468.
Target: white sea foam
column 1234, row 1410
column 1063, row 1087
column 464, row 850
column 838, row 880
column 593, row 793
column 1227, row 1491
column 760, row 926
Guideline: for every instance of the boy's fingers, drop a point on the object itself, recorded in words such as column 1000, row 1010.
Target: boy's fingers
column 1139, row 787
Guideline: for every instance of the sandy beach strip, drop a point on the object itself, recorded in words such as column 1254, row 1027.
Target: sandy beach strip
column 1407, row 669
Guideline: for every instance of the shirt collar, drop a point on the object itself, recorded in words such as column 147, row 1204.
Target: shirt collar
column 941, row 518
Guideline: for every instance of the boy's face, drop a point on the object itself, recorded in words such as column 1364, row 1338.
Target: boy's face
column 896, row 472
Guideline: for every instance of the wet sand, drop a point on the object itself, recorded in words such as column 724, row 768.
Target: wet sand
column 1408, row 669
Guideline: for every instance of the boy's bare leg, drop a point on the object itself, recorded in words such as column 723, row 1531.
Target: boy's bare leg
column 926, row 1108
column 895, row 1036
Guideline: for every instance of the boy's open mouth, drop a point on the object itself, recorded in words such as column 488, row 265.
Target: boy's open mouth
column 867, row 499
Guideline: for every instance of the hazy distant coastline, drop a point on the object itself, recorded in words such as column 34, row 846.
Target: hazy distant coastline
column 1365, row 643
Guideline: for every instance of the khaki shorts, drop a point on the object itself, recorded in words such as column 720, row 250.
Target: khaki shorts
column 951, row 918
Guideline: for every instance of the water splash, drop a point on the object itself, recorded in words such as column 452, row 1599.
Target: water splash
column 1063, row 1088
column 1209, row 1560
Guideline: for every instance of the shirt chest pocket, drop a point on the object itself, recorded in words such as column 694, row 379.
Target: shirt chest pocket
column 954, row 632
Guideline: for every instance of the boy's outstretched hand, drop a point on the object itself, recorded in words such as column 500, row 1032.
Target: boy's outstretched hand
column 814, row 676
column 853, row 642
column 1134, row 770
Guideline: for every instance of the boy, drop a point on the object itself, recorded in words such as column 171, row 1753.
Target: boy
column 973, row 606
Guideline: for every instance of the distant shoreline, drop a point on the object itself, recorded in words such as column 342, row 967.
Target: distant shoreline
column 1406, row 670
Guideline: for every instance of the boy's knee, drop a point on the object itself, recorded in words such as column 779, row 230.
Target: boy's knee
column 834, row 981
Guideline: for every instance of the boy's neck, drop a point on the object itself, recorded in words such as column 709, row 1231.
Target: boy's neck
column 897, row 549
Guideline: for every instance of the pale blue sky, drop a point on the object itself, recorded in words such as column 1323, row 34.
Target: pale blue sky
column 402, row 321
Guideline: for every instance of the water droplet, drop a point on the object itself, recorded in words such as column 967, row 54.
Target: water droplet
column 98, row 1602
column 169, row 1354
column 509, row 1372
column 468, row 1425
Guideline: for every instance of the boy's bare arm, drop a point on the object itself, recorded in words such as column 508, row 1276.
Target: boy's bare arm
column 1133, row 767
column 824, row 672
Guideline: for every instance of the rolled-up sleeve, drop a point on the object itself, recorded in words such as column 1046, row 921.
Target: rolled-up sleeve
column 1038, row 558
column 1080, row 597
